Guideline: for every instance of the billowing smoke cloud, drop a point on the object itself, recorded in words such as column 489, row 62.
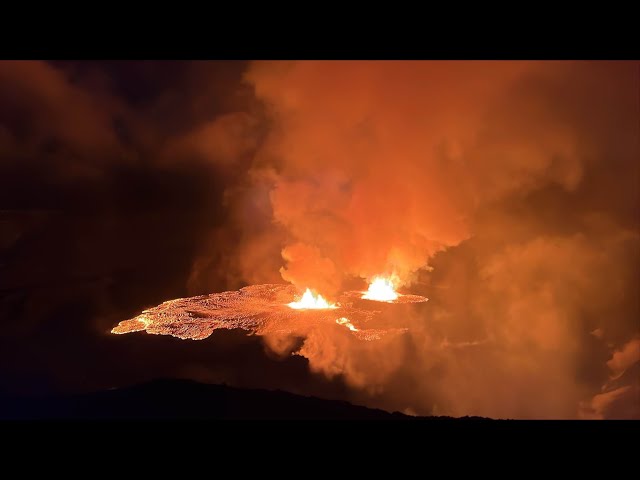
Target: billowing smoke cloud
column 382, row 164
column 621, row 393
column 507, row 192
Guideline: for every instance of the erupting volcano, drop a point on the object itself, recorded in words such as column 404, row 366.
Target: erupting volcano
column 309, row 301
column 308, row 208
column 381, row 289
column 259, row 309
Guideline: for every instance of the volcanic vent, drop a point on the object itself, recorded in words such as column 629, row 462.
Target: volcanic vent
column 260, row 309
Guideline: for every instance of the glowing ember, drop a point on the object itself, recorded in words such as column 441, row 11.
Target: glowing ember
column 345, row 321
column 381, row 289
column 309, row 301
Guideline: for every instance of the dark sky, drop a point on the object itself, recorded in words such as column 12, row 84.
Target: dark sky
column 506, row 192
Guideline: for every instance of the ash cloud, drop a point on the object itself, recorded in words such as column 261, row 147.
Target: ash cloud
column 506, row 192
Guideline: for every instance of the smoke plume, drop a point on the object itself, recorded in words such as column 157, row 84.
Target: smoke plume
column 506, row 192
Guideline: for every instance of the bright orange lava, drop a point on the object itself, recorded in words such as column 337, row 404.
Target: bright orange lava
column 345, row 322
column 309, row 301
column 382, row 290
column 259, row 309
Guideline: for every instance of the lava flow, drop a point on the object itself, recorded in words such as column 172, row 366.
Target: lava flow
column 259, row 309
column 345, row 322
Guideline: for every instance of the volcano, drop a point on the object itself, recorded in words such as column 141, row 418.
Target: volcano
column 259, row 309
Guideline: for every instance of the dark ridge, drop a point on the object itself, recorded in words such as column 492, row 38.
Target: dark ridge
column 185, row 399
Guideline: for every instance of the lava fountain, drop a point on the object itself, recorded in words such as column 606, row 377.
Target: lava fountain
column 382, row 290
column 309, row 301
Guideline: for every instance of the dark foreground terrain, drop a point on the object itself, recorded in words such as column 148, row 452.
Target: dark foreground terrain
column 183, row 399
